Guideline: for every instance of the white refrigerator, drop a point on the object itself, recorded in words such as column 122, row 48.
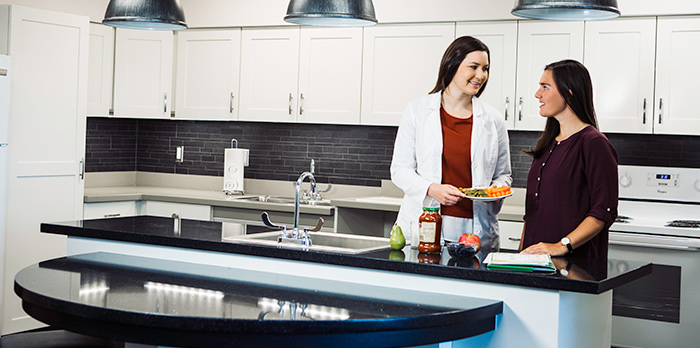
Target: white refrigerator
column 4, row 125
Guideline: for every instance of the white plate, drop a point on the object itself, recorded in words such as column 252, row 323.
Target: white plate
column 489, row 199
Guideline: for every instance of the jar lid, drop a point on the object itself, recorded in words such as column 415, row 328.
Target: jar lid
column 431, row 208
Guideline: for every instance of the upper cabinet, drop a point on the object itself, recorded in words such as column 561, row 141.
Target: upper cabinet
column 301, row 75
column 330, row 74
column 143, row 70
column 539, row 44
column 100, row 70
column 677, row 76
column 269, row 68
column 208, row 65
column 501, row 39
column 400, row 63
column 620, row 58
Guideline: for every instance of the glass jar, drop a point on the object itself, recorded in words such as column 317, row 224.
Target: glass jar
column 430, row 230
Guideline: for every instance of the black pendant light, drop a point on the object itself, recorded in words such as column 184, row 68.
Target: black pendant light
column 145, row 14
column 566, row 10
column 331, row 13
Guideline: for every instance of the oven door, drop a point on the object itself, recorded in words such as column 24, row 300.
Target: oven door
column 660, row 310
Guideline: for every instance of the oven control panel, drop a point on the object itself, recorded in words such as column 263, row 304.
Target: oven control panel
column 659, row 183
column 663, row 179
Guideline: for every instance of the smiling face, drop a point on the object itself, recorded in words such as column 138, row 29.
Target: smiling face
column 551, row 101
column 471, row 74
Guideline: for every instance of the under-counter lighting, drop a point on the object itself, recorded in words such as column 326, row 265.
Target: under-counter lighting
column 145, row 14
column 183, row 290
column 566, row 10
column 331, row 13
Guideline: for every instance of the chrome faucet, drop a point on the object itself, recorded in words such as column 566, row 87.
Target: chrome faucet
column 312, row 180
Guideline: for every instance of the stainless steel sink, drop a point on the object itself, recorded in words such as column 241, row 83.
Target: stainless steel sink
column 322, row 241
column 282, row 200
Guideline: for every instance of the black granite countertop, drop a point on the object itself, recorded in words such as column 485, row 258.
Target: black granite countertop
column 584, row 276
column 142, row 300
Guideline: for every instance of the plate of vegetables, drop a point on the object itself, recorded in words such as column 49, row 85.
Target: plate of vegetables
column 487, row 194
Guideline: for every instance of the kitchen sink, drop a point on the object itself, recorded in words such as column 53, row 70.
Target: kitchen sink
column 282, row 200
column 321, row 241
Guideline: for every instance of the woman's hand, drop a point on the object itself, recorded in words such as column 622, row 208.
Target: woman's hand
column 445, row 194
column 553, row 249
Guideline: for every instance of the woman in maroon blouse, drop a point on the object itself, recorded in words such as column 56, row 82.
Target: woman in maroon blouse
column 572, row 188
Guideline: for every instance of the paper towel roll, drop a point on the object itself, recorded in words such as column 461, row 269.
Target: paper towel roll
column 234, row 161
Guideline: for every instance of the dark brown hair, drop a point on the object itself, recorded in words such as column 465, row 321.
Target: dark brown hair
column 574, row 84
column 453, row 57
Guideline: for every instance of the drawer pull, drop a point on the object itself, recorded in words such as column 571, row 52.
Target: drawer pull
column 513, row 239
column 112, row 215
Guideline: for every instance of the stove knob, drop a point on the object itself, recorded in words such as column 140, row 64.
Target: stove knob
column 626, row 181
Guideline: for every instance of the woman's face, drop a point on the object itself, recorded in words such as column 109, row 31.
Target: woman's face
column 471, row 74
column 551, row 102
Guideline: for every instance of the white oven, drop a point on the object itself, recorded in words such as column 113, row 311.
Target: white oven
column 659, row 222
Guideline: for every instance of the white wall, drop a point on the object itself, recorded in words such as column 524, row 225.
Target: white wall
column 239, row 13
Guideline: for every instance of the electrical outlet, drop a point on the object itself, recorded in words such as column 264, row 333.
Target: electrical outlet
column 179, row 154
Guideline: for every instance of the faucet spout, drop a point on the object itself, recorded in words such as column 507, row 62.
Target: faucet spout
column 312, row 180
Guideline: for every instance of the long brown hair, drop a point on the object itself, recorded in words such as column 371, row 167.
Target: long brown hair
column 453, row 57
column 573, row 77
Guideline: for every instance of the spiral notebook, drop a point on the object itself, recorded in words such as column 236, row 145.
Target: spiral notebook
column 520, row 262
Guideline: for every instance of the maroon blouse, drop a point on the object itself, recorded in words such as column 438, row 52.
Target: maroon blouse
column 457, row 160
column 575, row 179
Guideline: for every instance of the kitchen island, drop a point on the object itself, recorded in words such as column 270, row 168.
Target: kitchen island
column 571, row 308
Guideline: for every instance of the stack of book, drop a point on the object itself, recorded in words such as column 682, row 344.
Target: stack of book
column 520, row 262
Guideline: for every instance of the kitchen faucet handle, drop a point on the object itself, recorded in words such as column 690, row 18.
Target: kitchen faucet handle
column 319, row 224
column 266, row 220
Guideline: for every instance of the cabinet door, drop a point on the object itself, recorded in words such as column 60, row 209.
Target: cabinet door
column 330, row 71
column 143, row 71
column 269, row 74
column 184, row 211
column 100, row 70
column 46, row 141
column 539, row 44
column 400, row 64
column 620, row 58
column 501, row 39
column 510, row 234
column 677, row 76
column 208, row 63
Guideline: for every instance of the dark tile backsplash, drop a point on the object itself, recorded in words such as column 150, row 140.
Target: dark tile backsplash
column 354, row 155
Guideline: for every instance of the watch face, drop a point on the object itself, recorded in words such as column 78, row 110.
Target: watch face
column 565, row 241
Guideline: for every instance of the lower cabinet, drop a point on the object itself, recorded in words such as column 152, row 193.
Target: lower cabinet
column 110, row 209
column 511, row 232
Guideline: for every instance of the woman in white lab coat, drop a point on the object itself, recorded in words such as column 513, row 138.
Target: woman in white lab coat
column 450, row 139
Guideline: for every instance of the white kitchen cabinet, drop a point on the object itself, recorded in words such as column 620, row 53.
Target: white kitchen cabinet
column 330, row 73
column 620, row 56
column 100, row 70
column 400, row 64
column 183, row 210
column 539, row 44
column 49, row 52
column 501, row 39
column 677, row 76
column 318, row 81
column 269, row 74
column 208, row 64
column 143, row 72
column 510, row 234
column 111, row 209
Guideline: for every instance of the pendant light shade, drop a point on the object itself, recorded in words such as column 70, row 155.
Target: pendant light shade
column 145, row 14
column 331, row 13
column 566, row 10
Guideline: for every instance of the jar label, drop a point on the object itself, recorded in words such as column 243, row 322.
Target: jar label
column 427, row 231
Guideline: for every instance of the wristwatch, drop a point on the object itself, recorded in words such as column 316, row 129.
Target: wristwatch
column 566, row 241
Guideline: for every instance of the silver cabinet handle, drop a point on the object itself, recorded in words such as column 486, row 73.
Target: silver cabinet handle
column 644, row 112
column 661, row 108
column 165, row 102
column 507, row 105
column 290, row 104
column 513, row 239
column 520, row 109
column 82, row 168
column 301, row 104
column 112, row 215
column 230, row 104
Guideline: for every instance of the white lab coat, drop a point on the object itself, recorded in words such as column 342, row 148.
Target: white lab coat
column 417, row 161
